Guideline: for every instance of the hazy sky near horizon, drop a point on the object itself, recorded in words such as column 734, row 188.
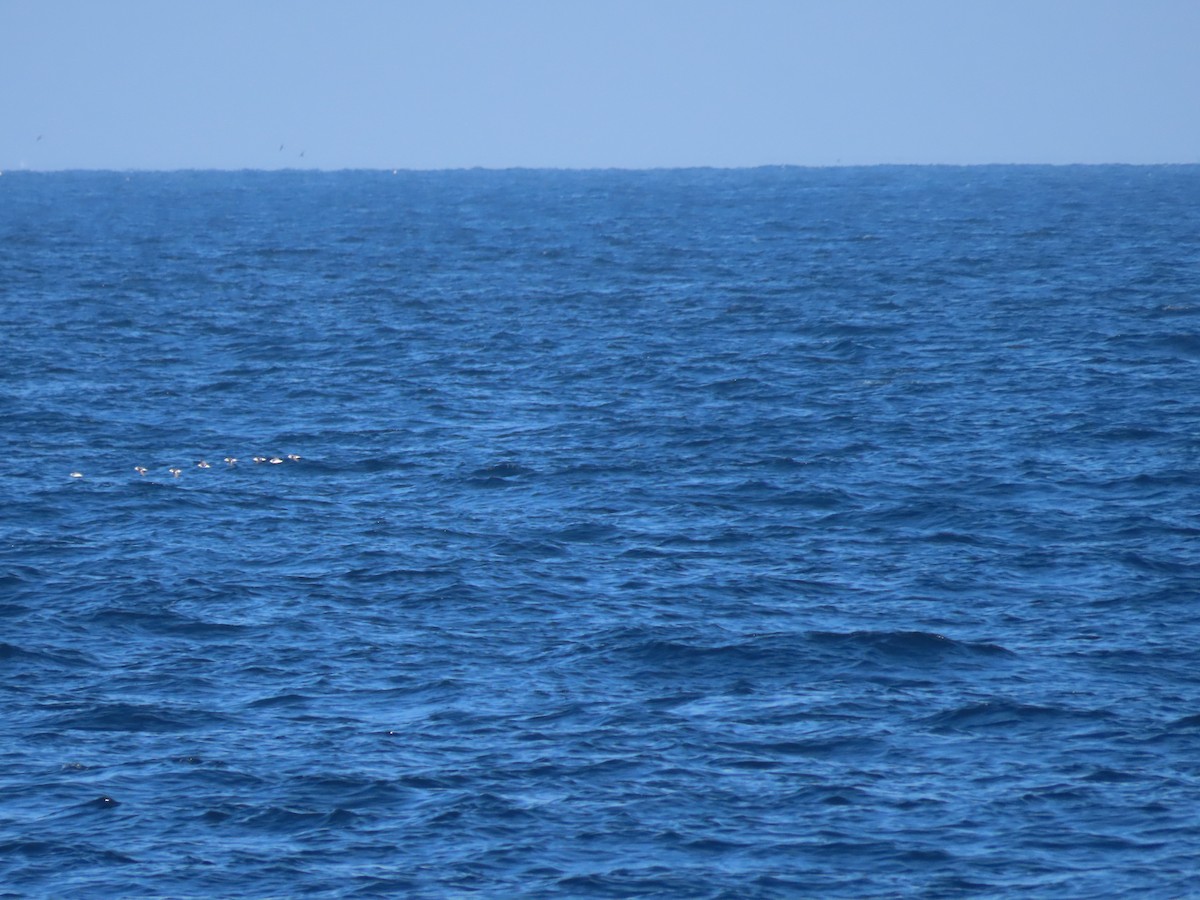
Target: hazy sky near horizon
column 145, row 84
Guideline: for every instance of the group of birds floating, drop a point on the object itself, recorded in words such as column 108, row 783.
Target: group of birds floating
column 176, row 471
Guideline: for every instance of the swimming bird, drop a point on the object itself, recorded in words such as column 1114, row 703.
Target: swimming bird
column 76, row 474
column 275, row 460
column 260, row 459
column 231, row 460
column 203, row 465
column 175, row 472
column 141, row 470
column 294, row 457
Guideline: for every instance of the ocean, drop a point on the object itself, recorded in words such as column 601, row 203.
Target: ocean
column 756, row 533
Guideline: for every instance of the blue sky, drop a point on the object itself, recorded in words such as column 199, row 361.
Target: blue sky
column 159, row 84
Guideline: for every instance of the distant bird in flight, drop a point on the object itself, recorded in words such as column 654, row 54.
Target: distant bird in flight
column 39, row 137
column 281, row 147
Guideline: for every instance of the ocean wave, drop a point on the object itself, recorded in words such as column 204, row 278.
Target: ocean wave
column 707, row 533
column 1010, row 715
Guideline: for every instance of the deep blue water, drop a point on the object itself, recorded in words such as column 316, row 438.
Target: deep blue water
column 765, row 533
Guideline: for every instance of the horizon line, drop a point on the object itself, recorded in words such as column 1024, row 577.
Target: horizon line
column 580, row 169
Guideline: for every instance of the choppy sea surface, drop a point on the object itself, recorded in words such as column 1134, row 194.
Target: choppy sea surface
column 760, row 533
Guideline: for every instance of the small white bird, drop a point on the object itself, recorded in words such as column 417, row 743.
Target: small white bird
column 294, row 457
column 275, row 460
column 260, row 459
column 141, row 470
column 203, row 465
column 76, row 474
column 175, row 472
column 231, row 460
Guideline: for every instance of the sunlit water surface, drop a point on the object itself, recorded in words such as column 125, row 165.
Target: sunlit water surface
column 762, row 533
